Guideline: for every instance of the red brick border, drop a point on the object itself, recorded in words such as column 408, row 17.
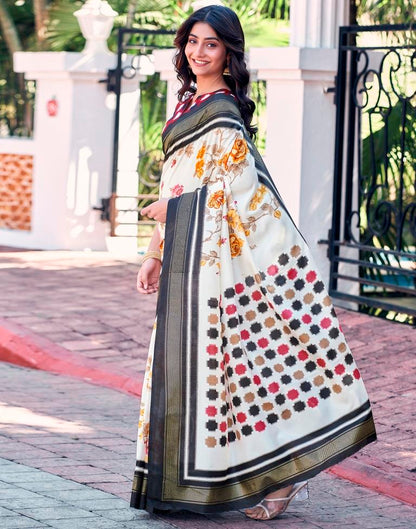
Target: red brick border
column 23, row 347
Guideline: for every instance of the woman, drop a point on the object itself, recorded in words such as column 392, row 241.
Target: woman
column 250, row 388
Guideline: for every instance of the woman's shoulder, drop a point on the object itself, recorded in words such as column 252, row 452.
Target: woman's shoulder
column 221, row 102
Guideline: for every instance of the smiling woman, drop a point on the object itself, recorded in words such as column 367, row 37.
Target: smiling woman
column 250, row 388
column 207, row 58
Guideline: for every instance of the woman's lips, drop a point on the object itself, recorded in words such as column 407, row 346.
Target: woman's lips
column 199, row 63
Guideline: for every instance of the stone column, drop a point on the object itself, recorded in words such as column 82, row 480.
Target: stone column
column 74, row 118
column 163, row 61
column 73, row 133
column 300, row 116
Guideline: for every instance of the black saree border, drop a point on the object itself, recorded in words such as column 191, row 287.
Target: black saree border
column 182, row 232
column 250, row 492
column 268, row 461
column 171, row 439
column 218, row 105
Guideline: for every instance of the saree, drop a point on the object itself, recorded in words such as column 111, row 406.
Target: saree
column 250, row 385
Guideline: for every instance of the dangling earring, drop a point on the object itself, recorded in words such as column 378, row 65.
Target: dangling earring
column 227, row 67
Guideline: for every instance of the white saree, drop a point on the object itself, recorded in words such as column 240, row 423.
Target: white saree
column 250, row 385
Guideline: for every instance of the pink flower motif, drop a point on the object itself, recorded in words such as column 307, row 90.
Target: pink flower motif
column 176, row 191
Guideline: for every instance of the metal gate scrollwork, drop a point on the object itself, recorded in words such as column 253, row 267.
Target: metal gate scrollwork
column 372, row 240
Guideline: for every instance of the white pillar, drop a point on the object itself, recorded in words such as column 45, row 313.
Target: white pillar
column 315, row 23
column 73, row 148
column 301, row 116
column 164, row 65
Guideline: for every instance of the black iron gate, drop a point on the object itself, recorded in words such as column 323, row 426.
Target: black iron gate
column 373, row 233
column 132, row 44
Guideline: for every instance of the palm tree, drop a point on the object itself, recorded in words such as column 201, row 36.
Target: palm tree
column 382, row 11
column 8, row 29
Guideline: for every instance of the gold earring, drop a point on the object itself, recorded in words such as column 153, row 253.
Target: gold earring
column 226, row 71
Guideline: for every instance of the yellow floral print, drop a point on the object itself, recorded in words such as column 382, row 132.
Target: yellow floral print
column 201, row 152
column 257, row 197
column 236, row 245
column 216, row 200
column 234, row 220
column 239, row 150
column 223, row 161
column 199, row 168
column 277, row 213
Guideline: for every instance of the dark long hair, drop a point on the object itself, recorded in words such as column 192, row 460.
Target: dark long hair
column 228, row 28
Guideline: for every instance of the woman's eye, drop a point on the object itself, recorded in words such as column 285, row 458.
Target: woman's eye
column 191, row 41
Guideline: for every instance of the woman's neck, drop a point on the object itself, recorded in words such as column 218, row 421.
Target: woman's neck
column 206, row 86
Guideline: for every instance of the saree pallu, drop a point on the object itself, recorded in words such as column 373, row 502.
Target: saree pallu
column 250, row 385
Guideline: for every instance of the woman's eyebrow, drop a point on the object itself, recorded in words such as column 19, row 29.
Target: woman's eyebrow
column 206, row 38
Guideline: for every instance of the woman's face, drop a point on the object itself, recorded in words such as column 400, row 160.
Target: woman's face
column 205, row 52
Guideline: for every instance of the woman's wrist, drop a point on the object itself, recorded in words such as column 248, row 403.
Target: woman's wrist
column 152, row 254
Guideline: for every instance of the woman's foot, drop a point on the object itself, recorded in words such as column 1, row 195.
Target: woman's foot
column 274, row 503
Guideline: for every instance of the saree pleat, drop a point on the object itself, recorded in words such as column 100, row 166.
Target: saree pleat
column 250, row 385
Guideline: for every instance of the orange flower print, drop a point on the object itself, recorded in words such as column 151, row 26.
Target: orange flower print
column 234, row 220
column 257, row 197
column 277, row 213
column 235, row 245
column 223, row 161
column 239, row 150
column 216, row 200
column 201, row 152
column 199, row 168
column 176, row 191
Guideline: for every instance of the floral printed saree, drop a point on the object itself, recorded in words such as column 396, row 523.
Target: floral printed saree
column 250, row 385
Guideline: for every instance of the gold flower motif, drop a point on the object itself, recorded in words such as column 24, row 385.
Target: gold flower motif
column 223, row 161
column 199, row 168
column 277, row 213
column 216, row 200
column 234, row 220
column 257, row 197
column 201, row 152
column 235, row 245
column 239, row 150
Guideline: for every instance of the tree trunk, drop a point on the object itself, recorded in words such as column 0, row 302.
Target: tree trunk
column 8, row 28
column 353, row 12
column 130, row 13
column 39, row 8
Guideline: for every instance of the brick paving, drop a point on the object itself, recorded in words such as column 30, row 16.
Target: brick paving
column 30, row 498
column 86, row 304
column 67, row 450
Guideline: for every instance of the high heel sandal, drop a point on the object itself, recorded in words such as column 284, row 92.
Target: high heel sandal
column 282, row 503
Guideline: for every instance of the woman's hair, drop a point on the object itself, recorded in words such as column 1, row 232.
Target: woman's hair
column 228, row 28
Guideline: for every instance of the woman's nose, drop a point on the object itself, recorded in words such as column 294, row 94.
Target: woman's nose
column 199, row 51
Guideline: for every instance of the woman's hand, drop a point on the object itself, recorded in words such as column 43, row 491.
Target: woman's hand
column 156, row 210
column 148, row 276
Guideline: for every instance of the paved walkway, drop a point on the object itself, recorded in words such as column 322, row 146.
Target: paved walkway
column 79, row 314
column 31, row 498
column 71, row 451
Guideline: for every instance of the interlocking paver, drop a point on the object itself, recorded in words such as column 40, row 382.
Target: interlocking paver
column 76, row 509
column 86, row 434
column 87, row 415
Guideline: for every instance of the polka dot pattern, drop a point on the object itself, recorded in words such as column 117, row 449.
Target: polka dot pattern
column 274, row 350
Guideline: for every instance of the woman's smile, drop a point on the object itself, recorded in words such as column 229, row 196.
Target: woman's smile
column 205, row 52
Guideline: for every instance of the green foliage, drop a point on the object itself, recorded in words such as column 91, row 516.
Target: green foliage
column 386, row 11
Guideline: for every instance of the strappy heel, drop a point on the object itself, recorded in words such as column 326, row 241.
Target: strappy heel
column 281, row 504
